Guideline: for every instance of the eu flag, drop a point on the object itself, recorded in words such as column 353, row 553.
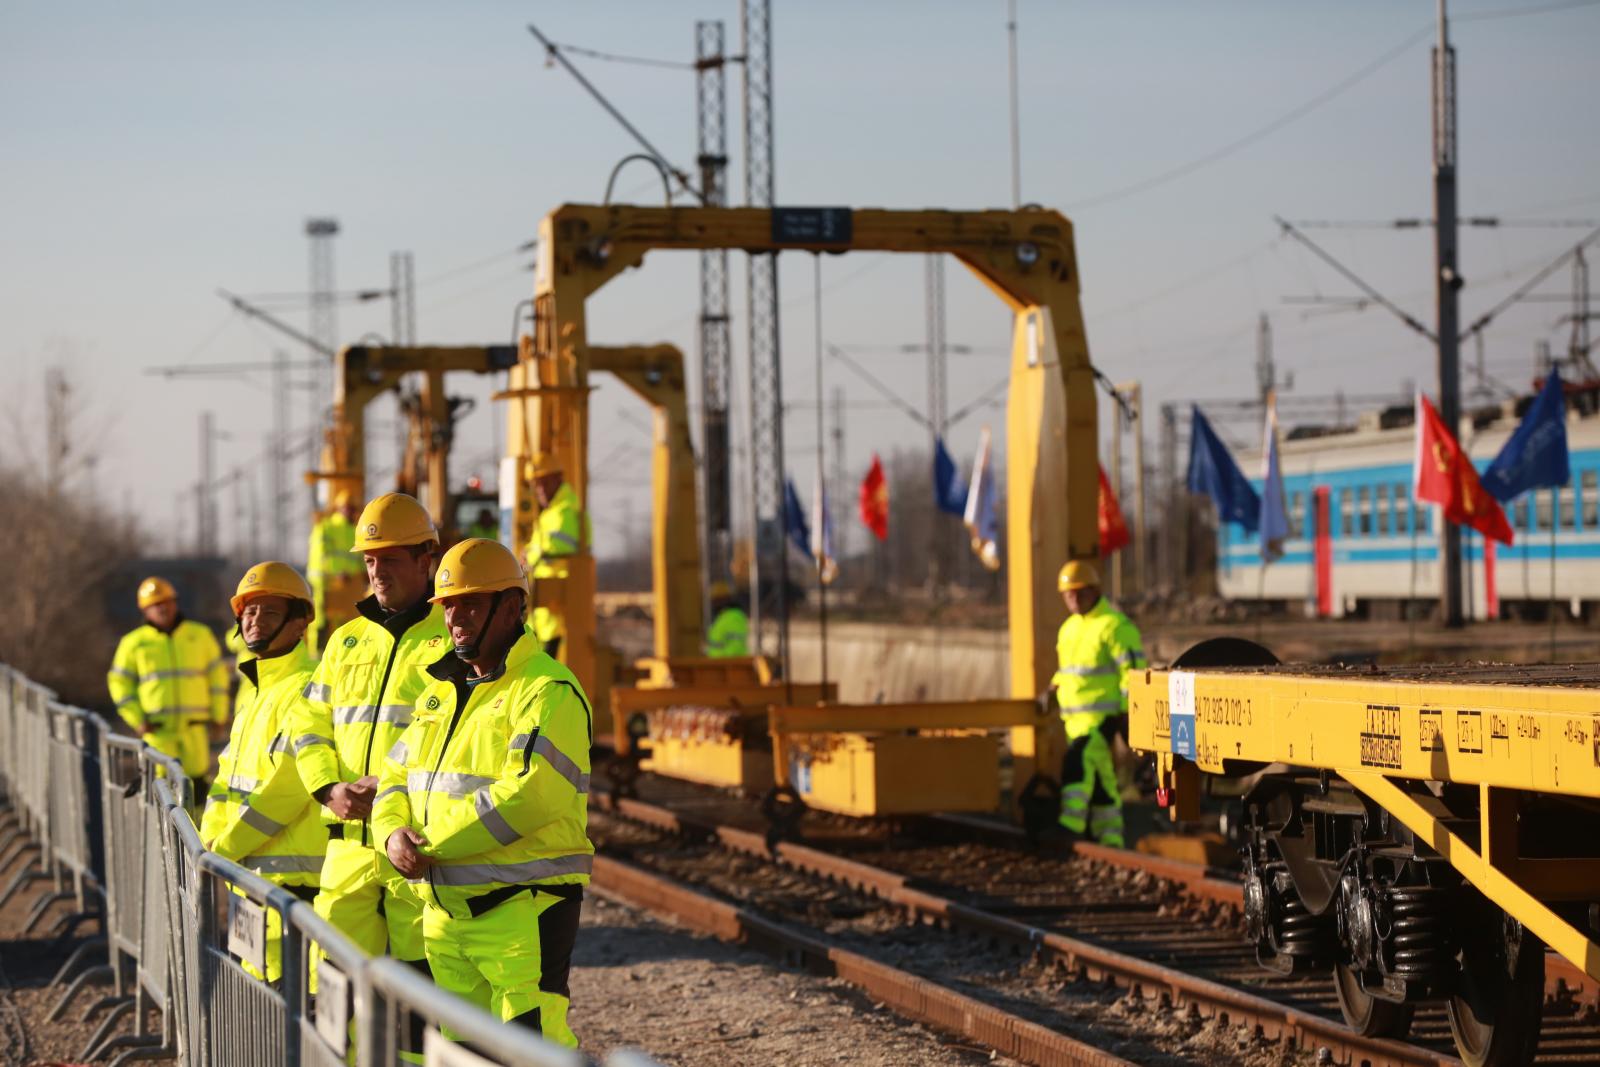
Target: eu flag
column 949, row 491
column 795, row 526
column 1212, row 471
column 1536, row 455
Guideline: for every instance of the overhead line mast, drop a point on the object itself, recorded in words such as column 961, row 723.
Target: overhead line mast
column 1447, row 280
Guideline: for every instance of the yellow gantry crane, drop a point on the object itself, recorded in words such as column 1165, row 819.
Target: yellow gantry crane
column 1027, row 259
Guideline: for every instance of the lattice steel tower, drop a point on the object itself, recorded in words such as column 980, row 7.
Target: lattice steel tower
column 324, row 318
column 769, row 560
column 716, row 343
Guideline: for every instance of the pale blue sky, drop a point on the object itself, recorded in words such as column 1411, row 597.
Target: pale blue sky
column 150, row 158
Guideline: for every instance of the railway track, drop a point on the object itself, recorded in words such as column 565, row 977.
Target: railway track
column 1163, row 934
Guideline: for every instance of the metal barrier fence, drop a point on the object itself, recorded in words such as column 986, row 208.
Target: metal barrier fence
column 107, row 820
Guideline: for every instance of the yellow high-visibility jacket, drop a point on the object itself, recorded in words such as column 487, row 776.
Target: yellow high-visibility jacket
column 495, row 774
column 562, row 531
column 160, row 682
column 258, row 812
column 729, row 634
column 1094, row 652
column 328, row 553
column 359, row 699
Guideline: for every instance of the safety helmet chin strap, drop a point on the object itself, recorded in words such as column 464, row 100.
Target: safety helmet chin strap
column 469, row 651
column 260, row 645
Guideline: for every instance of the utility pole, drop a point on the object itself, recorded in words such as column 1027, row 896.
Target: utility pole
column 1116, row 484
column 1578, row 350
column 1176, row 516
column 716, row 341
column 1447, row 281
column 841, row 530
column 1141, row 542
column 324, row 324
column 1016, row 120
column 1266, row 372
column 770, row 557
column 205, row 538
column 279, row 451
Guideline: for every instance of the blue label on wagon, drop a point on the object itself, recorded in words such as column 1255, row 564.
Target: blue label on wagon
column 1180, row 703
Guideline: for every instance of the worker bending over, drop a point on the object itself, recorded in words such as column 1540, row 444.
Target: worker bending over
column 483, row 803
column 560, row 532
column 331, row 566
column 729, row 632
column 169, row 682
column 258, row 813
column 1095, row 649
column 357, row 704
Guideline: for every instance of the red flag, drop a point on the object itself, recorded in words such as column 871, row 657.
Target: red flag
column 875, row 501
column 1444, row 476
column 1113, row 529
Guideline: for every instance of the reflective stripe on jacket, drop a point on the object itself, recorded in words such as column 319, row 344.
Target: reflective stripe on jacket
column 562, row 530
column 729, row 634
column 359, row 699
column 258, row 812
column 496, row 776
column 160, row 681
column 1094, row 652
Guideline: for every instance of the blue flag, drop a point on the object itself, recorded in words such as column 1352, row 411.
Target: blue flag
column 949, row 491
column 1212, row 471
column 1274, row 514
column 795, row 527
column 979, row 517
column 1536, row 455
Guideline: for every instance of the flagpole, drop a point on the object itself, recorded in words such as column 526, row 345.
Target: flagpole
column 821, row 518
column 1550, row 608
column 1411, row 603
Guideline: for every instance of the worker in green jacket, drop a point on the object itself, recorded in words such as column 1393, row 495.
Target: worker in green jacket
column 729, row 632
column 483, row 803
column 258, row 813
column 560, row 533
column 1096, row 648
column 169, row 682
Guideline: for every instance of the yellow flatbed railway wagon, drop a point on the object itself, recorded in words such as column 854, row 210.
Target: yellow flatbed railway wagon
column 1420, row 833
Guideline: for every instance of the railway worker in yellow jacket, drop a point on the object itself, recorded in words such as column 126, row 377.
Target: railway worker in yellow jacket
column 357, row 704
column 169, row 681
column 729, row 633
column 1096, row 648
column 331, row 565
column 259, row 813
column 560, row 532
column 483, row 803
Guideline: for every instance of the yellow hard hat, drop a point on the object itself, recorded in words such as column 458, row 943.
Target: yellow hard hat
column 392, row 521
column 1078, row 574
column 545, row 463
column 269, row 579
column 155, row 591
column 477, row 565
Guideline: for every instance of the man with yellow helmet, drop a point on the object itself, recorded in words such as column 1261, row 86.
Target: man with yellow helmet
column 729, row 633
column 560, row 532
column 259, row 813
column 357, row 704
column 1096, row 648
column 483, row 802
column 169, row 681
column 333, row 569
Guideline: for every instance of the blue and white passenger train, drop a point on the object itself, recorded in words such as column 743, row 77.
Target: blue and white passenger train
column 1359, row 544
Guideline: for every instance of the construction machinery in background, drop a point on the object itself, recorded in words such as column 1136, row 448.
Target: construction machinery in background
column 730, row 724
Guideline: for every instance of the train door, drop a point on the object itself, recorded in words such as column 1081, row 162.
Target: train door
column 1322, row 553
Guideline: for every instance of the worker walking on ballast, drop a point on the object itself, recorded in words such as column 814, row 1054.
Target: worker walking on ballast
column 169, row 682
column 560, row 532
column 357, row 704
column 258, row 813
column 483, row 804
column 1096, row 648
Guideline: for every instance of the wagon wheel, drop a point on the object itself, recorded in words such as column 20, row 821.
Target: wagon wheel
column 1499, row 1004
column 1366, row 1014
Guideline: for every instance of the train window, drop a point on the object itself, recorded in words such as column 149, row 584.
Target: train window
column 1346, row 513
column 1589, row 488
column 1364, row 511
column 1541, row 507
column 1568, row 516
column 1401, row 509
column 1380, row 510
column 1297, row 503
column 1519, row 514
